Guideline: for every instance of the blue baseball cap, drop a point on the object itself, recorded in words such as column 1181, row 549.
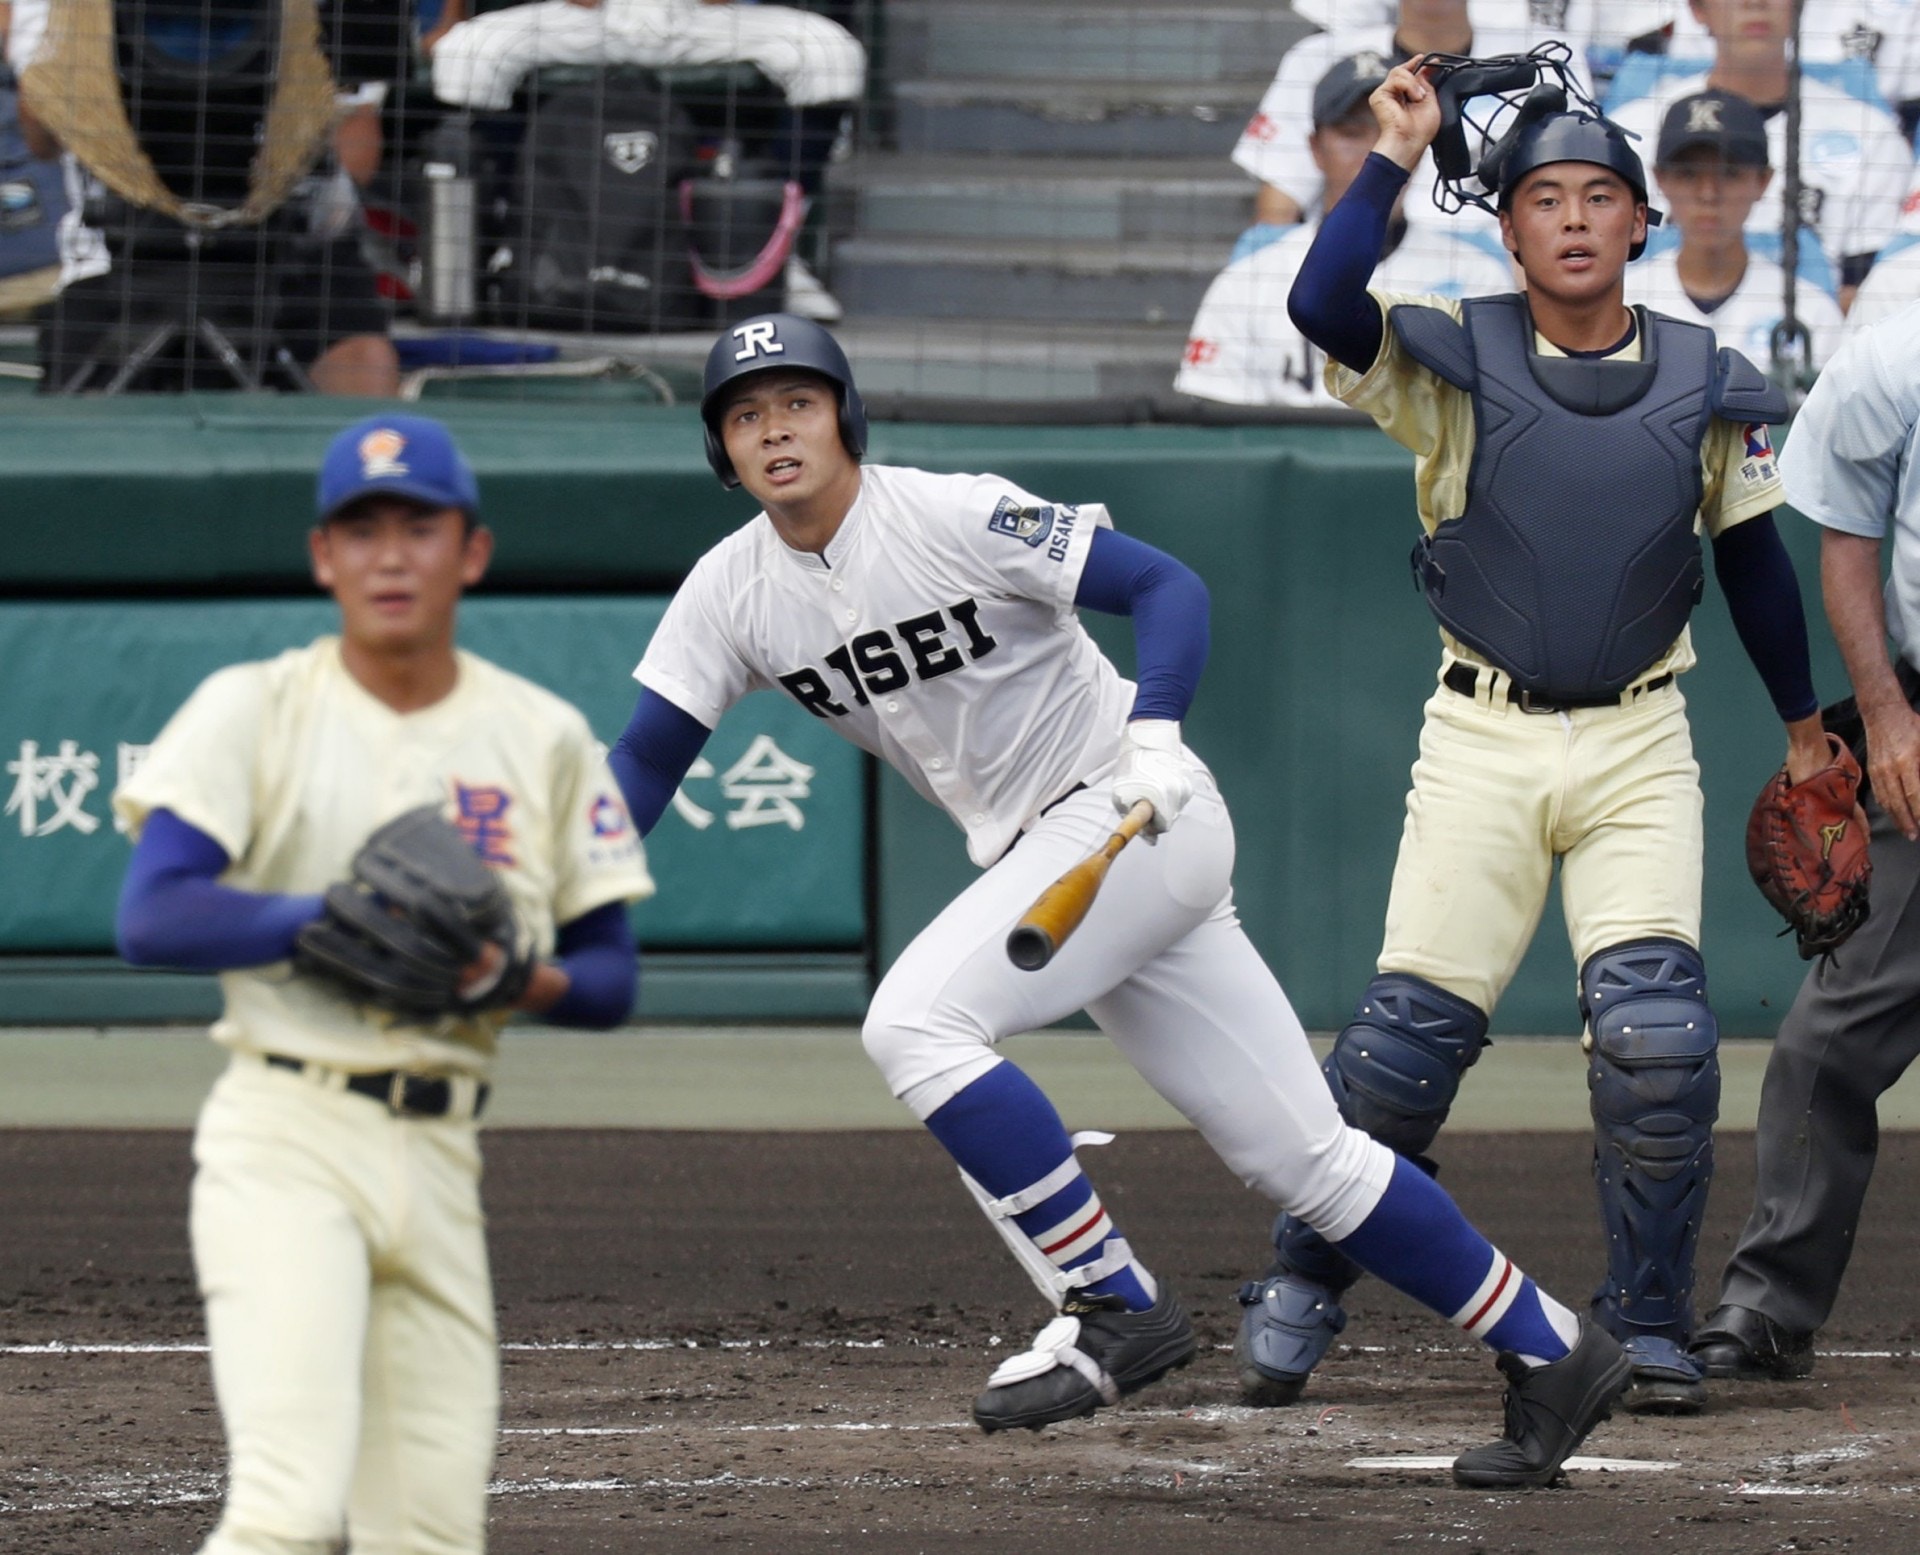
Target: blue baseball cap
column 397, row 456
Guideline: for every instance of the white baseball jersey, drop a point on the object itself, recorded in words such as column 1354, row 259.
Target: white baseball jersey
column 1849, row 462
column 1273, row 146
column 1744, row 320
column 1892, row 283
column 1880, row 32
column 1244, row 350
column 937, row 632
column 288, row 763
column 1855, row 164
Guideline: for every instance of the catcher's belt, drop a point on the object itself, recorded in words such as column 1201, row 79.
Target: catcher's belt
column 404, row 1095
column 1463, row 677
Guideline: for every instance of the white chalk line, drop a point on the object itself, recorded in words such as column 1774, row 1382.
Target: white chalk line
column 536, row 1347
column 1408, row 1460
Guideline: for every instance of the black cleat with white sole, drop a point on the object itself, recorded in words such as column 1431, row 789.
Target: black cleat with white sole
column 1550, row 1410
column 1092, row 1355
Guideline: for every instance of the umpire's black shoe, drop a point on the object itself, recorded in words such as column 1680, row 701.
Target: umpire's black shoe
column 1093, row 1354
column 1741, row 1344
column 1550, row 1410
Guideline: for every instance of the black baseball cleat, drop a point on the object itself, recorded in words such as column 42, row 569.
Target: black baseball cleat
column 1550, row 1410
column 1740, row 1344
column 1093, row 1354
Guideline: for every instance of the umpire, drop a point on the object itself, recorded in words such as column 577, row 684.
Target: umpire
column 1855, row 1026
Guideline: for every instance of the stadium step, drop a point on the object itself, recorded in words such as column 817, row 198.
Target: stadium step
column 1148, row 282
column 1070, row 40
column 1089, row 199
column 1003, row 116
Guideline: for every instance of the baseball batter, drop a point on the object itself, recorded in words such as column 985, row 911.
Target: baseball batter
column 336, row 1222
column 1557, row 731
column 932, row 620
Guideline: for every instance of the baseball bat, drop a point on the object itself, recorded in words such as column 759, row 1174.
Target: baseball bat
column 1056, row 912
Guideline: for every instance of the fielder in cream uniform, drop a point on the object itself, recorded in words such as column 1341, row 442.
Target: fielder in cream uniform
column 336, row 1220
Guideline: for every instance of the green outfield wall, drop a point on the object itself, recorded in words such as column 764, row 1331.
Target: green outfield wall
column 147, row 541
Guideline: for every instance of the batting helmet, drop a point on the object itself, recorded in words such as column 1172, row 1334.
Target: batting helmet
column 770, row 340
column 1573, row 137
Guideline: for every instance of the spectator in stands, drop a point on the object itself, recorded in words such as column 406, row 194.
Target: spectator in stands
column 1882, row 36
column 188, row 128
column 1854, row 161
column 1273, row 146
column 1894, row 280
column 1712, row 166
column 1243, row 349
column 818, row 65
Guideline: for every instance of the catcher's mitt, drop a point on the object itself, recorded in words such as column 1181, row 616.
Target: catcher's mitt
column 1807, row 850
column 419, row 911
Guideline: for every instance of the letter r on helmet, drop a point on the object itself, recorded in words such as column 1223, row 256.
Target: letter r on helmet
column 756, row 339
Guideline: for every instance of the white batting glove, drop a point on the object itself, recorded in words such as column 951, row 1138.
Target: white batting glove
column 1153, row 767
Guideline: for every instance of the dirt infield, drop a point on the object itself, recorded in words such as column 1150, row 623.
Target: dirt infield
column 768, row 1342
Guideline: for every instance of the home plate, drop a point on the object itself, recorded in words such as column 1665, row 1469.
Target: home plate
column 1607, row 1465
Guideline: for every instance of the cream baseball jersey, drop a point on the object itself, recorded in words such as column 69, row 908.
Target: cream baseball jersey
column 937, row 632
column 288, row 763
column 1244, row 350
column 1854, row 163
column 1744, row 319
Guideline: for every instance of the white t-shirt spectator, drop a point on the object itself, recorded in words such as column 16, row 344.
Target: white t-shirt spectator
column 1855, row 164
column 1244, row 350
column 1892, row 283
column 1744, row 320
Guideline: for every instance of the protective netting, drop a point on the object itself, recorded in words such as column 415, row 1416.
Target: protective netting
column 1034, row 207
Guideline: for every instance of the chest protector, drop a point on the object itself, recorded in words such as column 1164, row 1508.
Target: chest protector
column 1575, row 564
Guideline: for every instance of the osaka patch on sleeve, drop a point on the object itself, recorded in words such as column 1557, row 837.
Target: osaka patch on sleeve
column 1031, row 524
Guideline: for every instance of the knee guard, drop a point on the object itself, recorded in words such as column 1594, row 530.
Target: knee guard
column 1394, row 1072
column 1396, row 1068
column 1654, row 1080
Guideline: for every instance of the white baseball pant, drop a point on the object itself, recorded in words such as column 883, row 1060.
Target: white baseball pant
column 1165, row 969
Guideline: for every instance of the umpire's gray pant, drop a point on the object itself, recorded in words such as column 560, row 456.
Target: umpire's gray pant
column 1851, row 1033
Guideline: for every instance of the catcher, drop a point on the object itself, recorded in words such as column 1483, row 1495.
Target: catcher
column 1570, row 453
column 385, row 846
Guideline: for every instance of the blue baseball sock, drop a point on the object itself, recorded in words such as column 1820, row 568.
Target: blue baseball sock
column 1006, row 1136
column 1417, row 1240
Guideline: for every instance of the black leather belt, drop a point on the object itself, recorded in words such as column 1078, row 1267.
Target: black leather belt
column 405, row 1095
column 1463, row 678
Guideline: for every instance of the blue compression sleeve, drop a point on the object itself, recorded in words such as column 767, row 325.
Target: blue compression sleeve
column 174, row 911
column 1329, row 302
column 651, row 758
column 1763, row 597
column 1168, row 603
column 596, row 952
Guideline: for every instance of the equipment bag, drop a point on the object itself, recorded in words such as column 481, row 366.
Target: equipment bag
column 596, row 240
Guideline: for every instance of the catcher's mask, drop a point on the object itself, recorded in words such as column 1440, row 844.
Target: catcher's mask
column 1555, row 121
column 770, row 340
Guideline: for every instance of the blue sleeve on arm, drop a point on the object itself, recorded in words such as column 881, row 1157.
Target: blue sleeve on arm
column 1329, row 302
column 596, row 952
column 1763, row 597
column 174, row 911
column 651, row 758
column 1168, row 603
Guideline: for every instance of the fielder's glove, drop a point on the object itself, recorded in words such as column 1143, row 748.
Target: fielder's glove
column 1153, row 766
column 407, row 929
column 1807, row 851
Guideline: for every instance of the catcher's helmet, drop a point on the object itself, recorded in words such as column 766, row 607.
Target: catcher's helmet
column 771, row 340
column 1573, row 136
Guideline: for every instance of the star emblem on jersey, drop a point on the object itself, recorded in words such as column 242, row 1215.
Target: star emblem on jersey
column 1031, row 524
column 380, row 452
